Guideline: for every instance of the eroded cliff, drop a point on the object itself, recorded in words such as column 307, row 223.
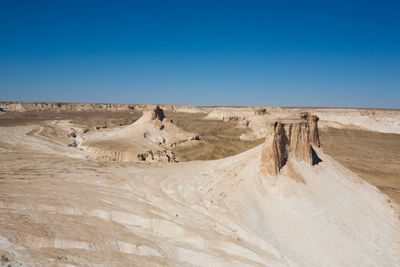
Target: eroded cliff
column 290, row 139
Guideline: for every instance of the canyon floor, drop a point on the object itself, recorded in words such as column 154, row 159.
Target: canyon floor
column 62, row 206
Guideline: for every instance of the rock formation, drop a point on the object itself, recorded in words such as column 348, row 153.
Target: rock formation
column 162, row 131
column 261, row 111
column 61, row 206
column 160, row 156
column 147, row 139
column 154, row 113
column 313, row 124
column 289, row 139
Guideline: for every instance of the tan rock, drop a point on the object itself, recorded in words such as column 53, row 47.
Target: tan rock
column 313, row 124
column 289, row 139
column 154, row 113
column 147, row 139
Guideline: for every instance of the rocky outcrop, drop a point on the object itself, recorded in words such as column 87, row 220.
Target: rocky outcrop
column 313, row 125
column 289, row 140
column 54, row 106
column 78, row 107
column 147, row 139
column 162, row 131
column 238, row 113
column 154, row 113
column 160, row 156
column 261, row 111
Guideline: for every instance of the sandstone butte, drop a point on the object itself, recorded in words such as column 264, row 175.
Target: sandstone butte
column 290, row 139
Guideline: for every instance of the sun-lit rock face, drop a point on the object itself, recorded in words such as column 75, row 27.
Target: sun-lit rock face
column 289, row 139
column 313, row 125
column 154, row 113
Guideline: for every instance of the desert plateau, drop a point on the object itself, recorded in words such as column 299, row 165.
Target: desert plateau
column 199, row 133
column 168, row 185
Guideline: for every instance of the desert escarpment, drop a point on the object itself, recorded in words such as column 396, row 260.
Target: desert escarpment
column 289, row 139
column 147, row 139
column 61, row 106
column 238, row 113
column 84, row 107
column 381, row 120
column 61, row 205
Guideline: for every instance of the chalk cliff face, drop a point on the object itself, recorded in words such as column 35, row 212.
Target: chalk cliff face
column 312, row 121
column 289, row 139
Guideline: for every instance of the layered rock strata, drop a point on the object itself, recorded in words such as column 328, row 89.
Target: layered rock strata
column 126, row 156
column 289, row 140
column 147, row 139
column 312, row 121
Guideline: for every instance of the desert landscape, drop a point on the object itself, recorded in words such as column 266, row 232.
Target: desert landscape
column 169, row 185
column 200, row 133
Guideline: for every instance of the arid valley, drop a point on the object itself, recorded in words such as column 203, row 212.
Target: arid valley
column 167, row 185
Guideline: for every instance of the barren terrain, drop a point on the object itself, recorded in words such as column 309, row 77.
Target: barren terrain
column 373, row 156
column 62, row 204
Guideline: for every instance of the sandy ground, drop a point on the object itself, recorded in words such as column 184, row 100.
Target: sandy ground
column 62, row 206
column 218, row 139
column 373, row 156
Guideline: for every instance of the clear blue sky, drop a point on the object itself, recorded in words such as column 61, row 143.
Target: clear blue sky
column 248, row 53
